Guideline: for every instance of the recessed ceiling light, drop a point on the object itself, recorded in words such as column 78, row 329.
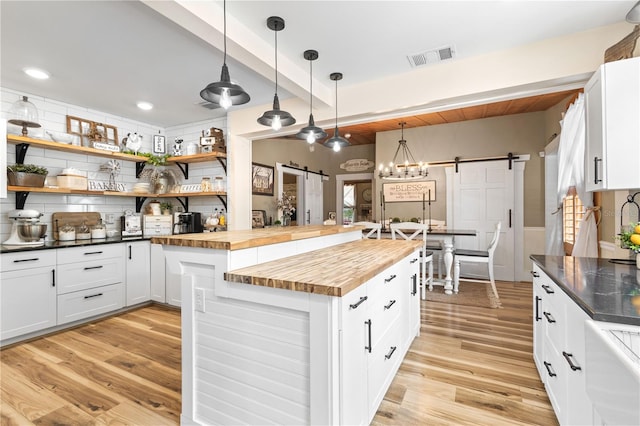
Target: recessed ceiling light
column 36, row 73
column 145, row 105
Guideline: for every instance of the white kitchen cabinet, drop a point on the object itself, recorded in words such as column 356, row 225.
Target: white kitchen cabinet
column 28, row 292
column 157, row 275
column 559, row 350
column 137, row 272
column 612, row 108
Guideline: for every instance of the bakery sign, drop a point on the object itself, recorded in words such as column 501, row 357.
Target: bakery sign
column 409, row 191
column 357, row 165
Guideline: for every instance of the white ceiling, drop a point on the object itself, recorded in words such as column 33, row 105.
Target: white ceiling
column 107, row 55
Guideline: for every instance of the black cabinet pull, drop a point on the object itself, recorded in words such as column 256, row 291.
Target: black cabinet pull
column 92, row 267
column 53, row 278
column 551, row 373
column 538, row 317
column 391, row 351
column 129, row 252
column 414, row 280
column 568, row 357
column 355, row 305
column 595, row 170
column 33, row 259
column 386, row 280
column 509, row 218
column 92, row 252
column 547, row 289
column 368, row 322
column 93, row 295
column 391, row 303
column 413, row 260
column 549, row 317
column 535, row 274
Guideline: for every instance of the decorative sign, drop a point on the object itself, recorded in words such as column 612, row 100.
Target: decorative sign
column 409, row 191
column 101, row 185
column 106, row 147
column 191, row 187
column 357, row 165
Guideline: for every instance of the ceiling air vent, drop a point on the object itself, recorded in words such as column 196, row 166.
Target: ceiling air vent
column 431, row 56
column 208, row 105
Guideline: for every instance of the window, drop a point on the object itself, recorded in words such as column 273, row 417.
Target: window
column 572, row 211
column 348, row 204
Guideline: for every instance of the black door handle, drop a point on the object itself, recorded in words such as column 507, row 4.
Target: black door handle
column 538, row 317
column 393, row 349
column 92, row 267
column 549, row 317
column 129, row 252
column 386, row 280
column 391, row 303
column 355, row 305
column 568, row 357
column 551, row 373
column 535, row 274
column 53, row 278
column 368, row 322
column 595, row 170
column 414, row 280
column 547, row 289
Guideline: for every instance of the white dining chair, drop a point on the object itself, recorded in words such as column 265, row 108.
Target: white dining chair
column 369, row 229
column 477, row 256
column 413, row 231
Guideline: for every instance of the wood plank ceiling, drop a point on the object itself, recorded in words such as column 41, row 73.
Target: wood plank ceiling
column 365, row 133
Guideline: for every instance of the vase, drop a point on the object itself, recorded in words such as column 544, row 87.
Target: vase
column 286, row 220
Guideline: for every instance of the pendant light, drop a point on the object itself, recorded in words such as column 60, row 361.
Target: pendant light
column 311, row 133
column 404, row 165
column 224, row 92
column 276, row 118
column 336, row 142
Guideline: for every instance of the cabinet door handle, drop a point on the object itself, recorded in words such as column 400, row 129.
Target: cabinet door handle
column 414, row 280
column 538, row 317
column 391, row 303
column 33, row 259
column 129, row 252
column 53, row 278
column 308, row 216
column 93, row 295
column 92, row 267
column 92, row 252
column 547, row 289
column 549, row 317
column 391, row 351
column 509, row 218
column 595, row 170
column 535, row 274
column 355, row 305
column 368, row 323
column 568, row 357
column 413, row 260
column 386, row 280
column 551, row 373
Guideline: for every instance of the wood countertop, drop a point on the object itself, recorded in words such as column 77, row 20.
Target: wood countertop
column 333, row 271
column 236, row 240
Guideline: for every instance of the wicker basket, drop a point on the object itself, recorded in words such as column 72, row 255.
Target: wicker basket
column 26, row 179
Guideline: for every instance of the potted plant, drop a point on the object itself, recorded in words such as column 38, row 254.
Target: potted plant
column 166, row 207
column 26, row 175
column 161, row 179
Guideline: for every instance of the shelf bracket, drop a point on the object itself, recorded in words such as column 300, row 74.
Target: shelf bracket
column 184, row 167
column 223, row 201
column 184, row 202
column 21, row 152
column 139, row 201
column 21, row 198
column 223, row 163
column 139, row 168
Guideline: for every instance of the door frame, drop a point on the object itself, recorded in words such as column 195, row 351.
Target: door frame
column 340, row 180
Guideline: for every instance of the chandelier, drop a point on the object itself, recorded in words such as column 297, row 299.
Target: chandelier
column 404, row 166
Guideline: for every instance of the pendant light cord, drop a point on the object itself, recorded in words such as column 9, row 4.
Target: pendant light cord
column 311, row 86
column 276, row 31
column 224, row 8
column 336, row 104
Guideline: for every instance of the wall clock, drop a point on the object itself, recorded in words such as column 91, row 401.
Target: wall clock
column 366, row 195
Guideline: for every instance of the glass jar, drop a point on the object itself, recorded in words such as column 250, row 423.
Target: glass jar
column 205, row 184
column 218, row 185
column 67, row 233
column 98, row 231
column 83, row 232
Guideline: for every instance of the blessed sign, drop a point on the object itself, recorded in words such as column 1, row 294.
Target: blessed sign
column 409, row 191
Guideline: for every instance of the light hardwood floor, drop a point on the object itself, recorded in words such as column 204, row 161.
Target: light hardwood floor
column 469, row 366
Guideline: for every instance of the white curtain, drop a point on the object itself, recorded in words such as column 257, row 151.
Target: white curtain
column 571, row 173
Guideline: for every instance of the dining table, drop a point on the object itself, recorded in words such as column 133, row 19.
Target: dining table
column 446, row 237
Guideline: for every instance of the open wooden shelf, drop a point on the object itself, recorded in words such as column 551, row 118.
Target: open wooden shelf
column 50, row 190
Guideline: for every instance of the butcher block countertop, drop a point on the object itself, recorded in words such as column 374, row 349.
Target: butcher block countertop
column 333, row 271
column 237, row 240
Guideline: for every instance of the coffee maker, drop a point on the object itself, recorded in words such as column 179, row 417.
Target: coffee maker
column 188, row 223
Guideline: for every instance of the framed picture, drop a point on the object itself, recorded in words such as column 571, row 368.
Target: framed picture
column 261, row 179
column 258, row 218
column 159, row 146
column 409, row 191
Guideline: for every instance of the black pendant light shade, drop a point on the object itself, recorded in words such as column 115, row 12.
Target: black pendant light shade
column 276, row 118
column 311, row 133
column 224, row 92
column 336, row 142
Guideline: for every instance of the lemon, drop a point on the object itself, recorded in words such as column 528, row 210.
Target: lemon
column 636, row 230
column 635, row 239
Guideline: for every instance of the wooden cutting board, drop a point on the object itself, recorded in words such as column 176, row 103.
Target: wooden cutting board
column 74, row 219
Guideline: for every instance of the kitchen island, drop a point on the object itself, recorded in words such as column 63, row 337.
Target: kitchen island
column 303, row 326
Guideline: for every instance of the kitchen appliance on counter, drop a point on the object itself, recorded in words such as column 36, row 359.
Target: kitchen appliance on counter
column 26, row 229
column 131, row 225
column 188, row 223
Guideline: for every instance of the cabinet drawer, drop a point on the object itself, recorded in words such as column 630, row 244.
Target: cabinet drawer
column 28, row 260
column 86, row 275
column 86, row 303
column 91, row 253
column 383, row 362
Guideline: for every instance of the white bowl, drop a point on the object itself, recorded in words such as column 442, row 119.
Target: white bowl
column 60, row 137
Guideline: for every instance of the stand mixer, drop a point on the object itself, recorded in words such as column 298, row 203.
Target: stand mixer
column 20, row 236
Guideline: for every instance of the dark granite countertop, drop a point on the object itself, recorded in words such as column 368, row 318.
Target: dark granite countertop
column 65, row 244
column 605, row 291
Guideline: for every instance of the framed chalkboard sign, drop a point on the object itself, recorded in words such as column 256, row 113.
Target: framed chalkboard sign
column 399, row 192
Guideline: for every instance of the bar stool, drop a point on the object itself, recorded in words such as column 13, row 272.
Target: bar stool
column 369, row 228
column 426, row 257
